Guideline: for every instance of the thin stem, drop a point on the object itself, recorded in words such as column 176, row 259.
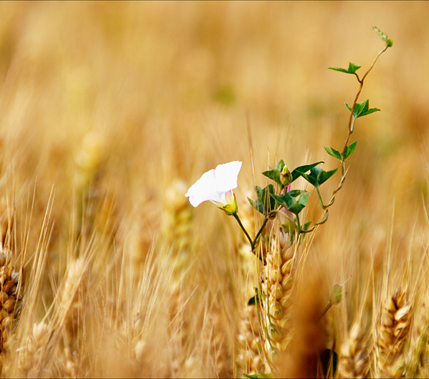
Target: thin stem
column 327, row 308
column 320, row 197
column 243, row 229
column 374, row 62
column 252, row 243
column 351, row 125
column 259, row 232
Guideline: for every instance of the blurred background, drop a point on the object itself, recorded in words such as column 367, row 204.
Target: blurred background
column 169, row 90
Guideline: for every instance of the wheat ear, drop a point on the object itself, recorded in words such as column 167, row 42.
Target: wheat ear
column 249, row 341
column 392, row 334
column 31, row 355
column 248, row 353
column 278, row 286
column 72, row 303
column 355, row 354
column 10, row 302
column 176, row 223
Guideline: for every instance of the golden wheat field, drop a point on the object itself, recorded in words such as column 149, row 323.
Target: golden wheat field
column 110, row 111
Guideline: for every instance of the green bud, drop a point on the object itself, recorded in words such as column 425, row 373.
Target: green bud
column 286, row 176
column 336, row 295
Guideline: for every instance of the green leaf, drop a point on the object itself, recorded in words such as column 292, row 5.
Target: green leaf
column 380, row 33
column 384, row 37
column 291, row 204
column 307, row 225
column 339, row 69
column 334, row 153
column 362, row 109
column 255, row 299
column 274, row 174
column 369, row 111
column 303, row 199
column 325, row 175
column 256, row 205
column 350, row 150
column 303, row 169
column 351, row 69
column 347, row 106
column 317, row 176
column 285, row 200
column 310, row 178
column 264, row 203
column 296, row 208
column 294, row 193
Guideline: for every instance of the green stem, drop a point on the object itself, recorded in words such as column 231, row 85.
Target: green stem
column 252, row 243
column 259, row 233
column 243, row 229
column 320, row 197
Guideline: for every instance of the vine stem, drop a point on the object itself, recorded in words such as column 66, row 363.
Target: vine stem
column 352, row 120
column 252, row 242
column 259, row 233
column 243, row 229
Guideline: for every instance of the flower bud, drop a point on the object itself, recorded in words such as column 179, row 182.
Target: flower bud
column 286, row 176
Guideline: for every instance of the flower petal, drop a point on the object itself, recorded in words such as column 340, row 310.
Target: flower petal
column 215, row 184
column 202, row 189
column 226, row 175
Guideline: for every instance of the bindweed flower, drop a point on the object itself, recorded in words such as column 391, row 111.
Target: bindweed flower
column 216, row 186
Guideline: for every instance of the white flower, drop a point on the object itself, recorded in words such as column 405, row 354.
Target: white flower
column 216, row 186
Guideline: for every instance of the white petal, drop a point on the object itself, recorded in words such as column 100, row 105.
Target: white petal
column 214, row 185
column 226, row 175
column 202, row 189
